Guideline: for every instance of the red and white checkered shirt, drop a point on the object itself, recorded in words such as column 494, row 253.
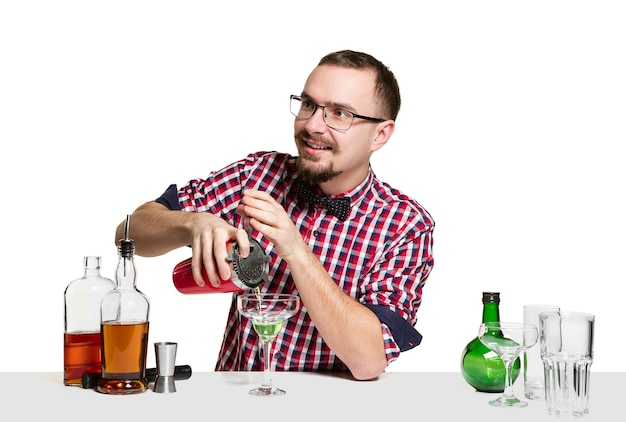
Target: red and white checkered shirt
column 381, row 255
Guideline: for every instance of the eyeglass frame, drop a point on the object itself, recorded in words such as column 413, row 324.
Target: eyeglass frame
column 317, row 106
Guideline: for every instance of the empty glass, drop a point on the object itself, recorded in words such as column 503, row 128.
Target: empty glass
column 508, row 340
column 534, row 382
column 567, row 352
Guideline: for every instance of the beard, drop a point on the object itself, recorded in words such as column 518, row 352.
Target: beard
column 317, row 175
column 307, row 167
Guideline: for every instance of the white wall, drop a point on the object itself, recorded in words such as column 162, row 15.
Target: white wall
column 511, row 134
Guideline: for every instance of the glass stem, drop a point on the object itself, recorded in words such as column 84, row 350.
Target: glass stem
column 267, row 380
column 508, row 378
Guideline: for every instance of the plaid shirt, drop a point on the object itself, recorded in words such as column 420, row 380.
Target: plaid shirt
column 381, row 255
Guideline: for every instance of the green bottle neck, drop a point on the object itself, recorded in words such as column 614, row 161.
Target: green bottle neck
column 491, row 312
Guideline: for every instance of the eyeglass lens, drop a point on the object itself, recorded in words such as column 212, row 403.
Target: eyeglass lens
column 334, row 117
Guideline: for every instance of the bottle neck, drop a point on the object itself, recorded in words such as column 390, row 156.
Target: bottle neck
column 89, row 272
column 92, row 266
column 126, row 276
column 491, row 312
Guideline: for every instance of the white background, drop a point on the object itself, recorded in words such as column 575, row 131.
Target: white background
column 511, row 134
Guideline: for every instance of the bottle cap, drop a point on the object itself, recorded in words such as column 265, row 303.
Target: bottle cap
column 491, row 297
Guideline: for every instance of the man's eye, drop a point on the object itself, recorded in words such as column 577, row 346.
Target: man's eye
column 341, row 114
column 308, row 105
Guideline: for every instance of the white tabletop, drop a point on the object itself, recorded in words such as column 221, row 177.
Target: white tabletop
column 394, row 396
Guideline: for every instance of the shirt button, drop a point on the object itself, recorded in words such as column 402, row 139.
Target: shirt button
column 316, row 233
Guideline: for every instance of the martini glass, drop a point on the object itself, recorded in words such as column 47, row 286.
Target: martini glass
column 508, row 340
column 268, row 313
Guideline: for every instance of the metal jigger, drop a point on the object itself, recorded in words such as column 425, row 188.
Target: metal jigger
column 166, row 363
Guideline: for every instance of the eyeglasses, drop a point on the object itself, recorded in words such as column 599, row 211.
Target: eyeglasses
column 334, row 117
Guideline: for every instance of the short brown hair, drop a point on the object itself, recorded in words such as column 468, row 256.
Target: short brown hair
column 387, row 89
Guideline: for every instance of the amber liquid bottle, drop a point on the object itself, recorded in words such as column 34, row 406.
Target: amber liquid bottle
column 81, row 339
column 480, row 366
column 124, row 329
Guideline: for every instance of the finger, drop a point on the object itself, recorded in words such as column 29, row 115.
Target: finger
column 220, row 252
column 196, row 263
column 243, row 242
column 258, row 199
column 267, row 216
column 244, row 216
column 207, row 259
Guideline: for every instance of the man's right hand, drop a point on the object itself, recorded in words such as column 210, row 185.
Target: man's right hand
column 157, row 230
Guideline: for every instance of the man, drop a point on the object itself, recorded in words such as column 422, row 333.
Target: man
column 359, row 275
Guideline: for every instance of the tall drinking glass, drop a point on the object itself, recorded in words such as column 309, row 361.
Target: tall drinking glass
column 534, row 382
column 567, row 353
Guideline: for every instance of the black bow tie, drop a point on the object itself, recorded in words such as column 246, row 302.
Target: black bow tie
column 339, row 207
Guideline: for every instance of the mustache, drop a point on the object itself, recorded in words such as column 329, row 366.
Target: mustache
column 305, row 135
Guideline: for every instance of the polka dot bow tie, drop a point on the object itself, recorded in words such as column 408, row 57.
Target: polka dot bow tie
column 339, row 207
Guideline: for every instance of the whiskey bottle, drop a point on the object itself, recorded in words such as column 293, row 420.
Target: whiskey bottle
column 81, row 338
column 124, row 326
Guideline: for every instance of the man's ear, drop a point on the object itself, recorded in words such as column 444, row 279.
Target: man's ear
column 385, row 130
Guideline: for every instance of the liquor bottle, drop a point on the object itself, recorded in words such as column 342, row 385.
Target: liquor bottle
column 81, row 338
column 247, row 273
column 480, row 366
column 124, row 326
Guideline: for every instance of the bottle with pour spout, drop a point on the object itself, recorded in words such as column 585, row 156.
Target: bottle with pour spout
column 124, row 328
column 247, row 273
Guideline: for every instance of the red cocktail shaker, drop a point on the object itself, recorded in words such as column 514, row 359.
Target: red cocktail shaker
column 247, row 273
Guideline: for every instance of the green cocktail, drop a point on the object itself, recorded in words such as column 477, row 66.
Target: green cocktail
column 267, row 329
column 267, row 312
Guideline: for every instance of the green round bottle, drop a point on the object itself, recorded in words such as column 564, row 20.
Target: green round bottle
column 480, row 366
